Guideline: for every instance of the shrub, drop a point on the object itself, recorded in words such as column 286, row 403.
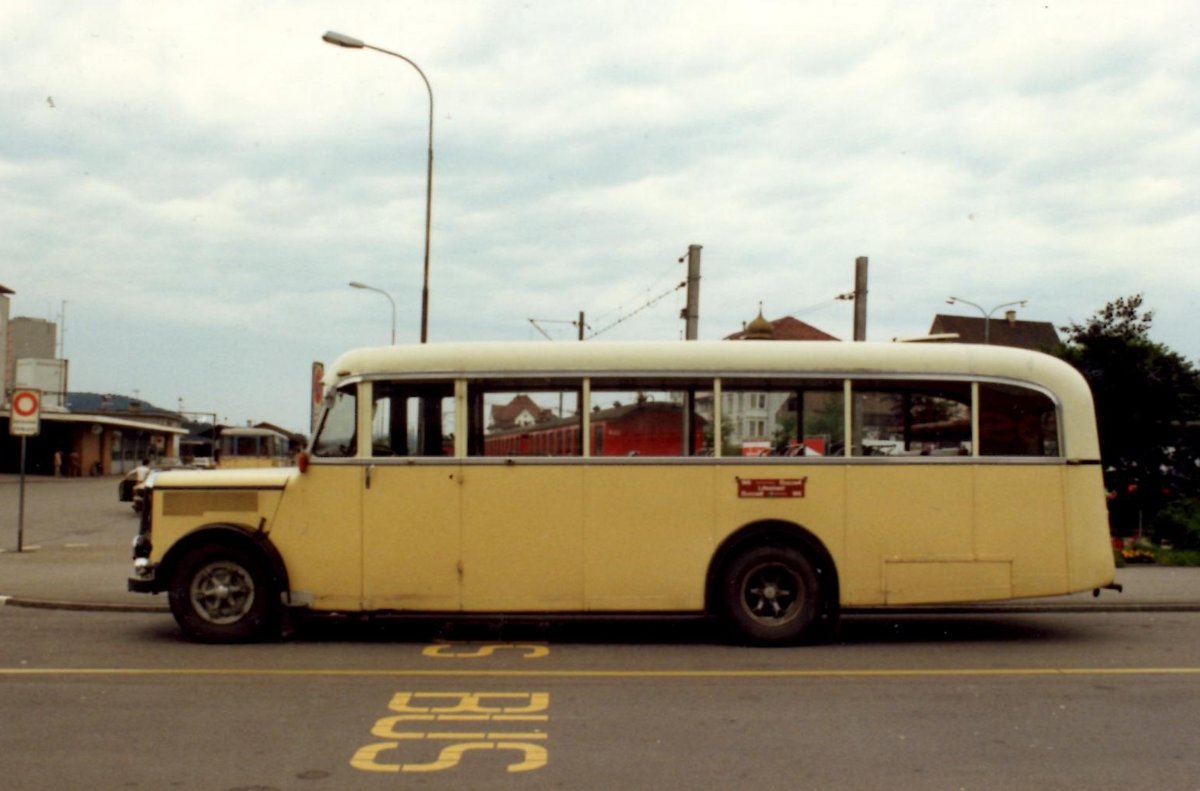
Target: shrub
column 1178, row 524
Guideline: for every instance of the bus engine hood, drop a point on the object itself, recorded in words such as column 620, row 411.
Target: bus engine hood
column 264, row 478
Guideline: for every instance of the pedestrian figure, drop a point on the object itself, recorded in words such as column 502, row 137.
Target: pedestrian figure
column 58, row 464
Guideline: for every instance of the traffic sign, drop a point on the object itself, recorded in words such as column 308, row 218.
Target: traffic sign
column 25, row 419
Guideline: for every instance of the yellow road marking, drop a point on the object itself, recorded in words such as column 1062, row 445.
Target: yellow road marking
column 621, row 674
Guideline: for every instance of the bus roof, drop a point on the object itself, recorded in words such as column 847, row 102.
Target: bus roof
column 708, row 358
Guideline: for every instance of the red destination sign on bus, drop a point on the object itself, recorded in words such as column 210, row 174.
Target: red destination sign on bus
column 771, row 487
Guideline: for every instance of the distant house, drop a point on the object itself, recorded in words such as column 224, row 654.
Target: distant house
column 1006, row 331
column 521, row 412
column 783, row 329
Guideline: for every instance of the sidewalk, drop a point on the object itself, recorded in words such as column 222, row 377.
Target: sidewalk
column 77, row 543
column 78, row 556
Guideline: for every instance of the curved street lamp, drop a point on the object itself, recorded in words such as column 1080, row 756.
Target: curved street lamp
column 353, row 43
column 987, row 314
column 356, row 284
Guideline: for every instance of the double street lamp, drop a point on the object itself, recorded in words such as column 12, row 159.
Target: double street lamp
column 353, row 43
column 987, row 314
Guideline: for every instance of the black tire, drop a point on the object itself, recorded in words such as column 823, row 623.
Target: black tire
column 771, row 595
column 225, row 594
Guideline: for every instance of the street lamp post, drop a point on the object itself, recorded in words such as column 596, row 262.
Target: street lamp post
column 353, row 43
column 356, row 284
column 987, row 314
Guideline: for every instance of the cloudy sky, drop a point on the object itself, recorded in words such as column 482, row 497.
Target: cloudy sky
column 198, row 181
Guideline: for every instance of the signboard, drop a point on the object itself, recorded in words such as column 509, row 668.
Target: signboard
column 26, row 413
column 772, row 487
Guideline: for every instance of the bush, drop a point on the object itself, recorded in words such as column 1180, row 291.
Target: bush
column 1178, row 557
column 1178, row 524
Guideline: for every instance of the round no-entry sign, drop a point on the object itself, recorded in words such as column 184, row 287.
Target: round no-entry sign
column 26, row 413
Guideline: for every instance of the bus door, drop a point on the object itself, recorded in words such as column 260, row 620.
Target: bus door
column 412, row 501
column 523, row 500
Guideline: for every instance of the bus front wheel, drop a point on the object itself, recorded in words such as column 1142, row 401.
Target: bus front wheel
column 771, row 595
column 223, row 594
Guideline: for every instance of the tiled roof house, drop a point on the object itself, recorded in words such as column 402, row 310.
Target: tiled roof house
column 1006, row 331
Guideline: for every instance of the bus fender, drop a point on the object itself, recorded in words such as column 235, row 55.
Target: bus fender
column 245, row 536
column 775, row 533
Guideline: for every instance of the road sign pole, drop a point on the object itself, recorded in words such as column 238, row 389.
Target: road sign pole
column 24, row 421
column 21, row 503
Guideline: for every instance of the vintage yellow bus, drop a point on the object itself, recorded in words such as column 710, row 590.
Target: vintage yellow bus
column 614, row 478
column 252, row 447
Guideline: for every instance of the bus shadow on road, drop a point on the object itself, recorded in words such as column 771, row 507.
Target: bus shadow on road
column 958, row 628
column 855, row 629
column 544, row 630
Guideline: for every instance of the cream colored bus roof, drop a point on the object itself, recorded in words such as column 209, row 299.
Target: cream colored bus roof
column 708, row 357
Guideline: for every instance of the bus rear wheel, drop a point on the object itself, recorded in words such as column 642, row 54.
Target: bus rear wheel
column 771, row 595
column 223, row 594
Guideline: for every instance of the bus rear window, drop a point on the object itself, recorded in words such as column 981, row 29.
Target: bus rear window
column 1016, row 421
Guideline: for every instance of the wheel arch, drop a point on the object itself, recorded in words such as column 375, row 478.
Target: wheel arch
column 774, row 532
column 230, row 535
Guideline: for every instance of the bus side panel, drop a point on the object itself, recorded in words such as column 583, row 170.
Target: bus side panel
column 648, row 534
column 818, row 505
column 522, row 538
column 1019, row 518
column 411, row 540
column 902, row 516
column 1088, row 536
column 318, row 532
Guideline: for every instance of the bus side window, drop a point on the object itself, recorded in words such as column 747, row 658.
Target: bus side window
column 412, row 419
column 336, row 436
column 648, row 418
column 781, row 418
column 526, row 418
column 911, row 418
column 1016, row 421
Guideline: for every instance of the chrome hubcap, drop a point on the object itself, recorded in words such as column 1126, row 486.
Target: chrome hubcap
column 222, row 592
column 771, row 593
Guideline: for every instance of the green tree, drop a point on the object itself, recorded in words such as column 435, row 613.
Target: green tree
column 1147, row 401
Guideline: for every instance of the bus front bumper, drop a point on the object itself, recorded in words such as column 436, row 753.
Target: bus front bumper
column 144, row 578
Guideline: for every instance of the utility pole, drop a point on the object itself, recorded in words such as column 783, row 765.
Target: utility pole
column 691, row 314
column 62, row 331
column 860, row 298
column 581, row 325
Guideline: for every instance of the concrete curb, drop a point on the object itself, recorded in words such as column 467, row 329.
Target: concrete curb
column 50, row 604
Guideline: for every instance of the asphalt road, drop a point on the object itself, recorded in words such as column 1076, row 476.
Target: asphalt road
column 976, row 701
